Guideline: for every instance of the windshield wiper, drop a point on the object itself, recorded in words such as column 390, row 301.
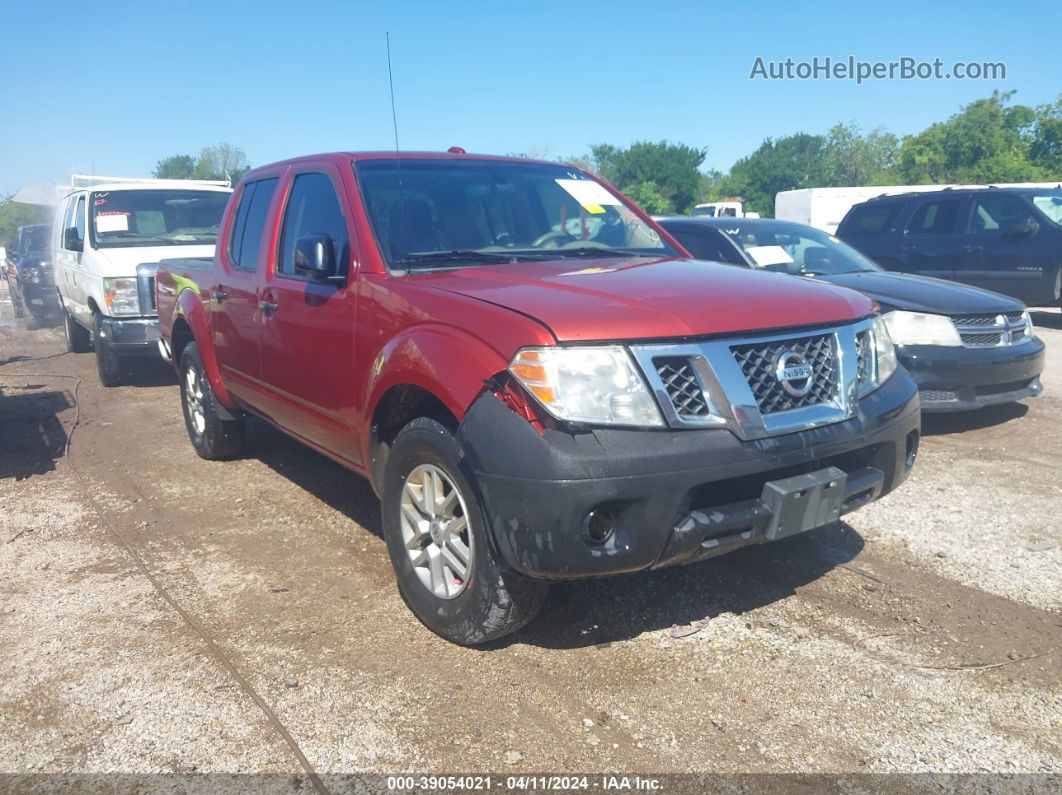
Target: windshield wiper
column 459, row 255
column 594, row 251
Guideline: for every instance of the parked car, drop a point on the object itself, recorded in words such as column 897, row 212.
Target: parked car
column 965, row 347
column 537, row 382
column 28, row 271
column 1004, row 239
column 110, row 236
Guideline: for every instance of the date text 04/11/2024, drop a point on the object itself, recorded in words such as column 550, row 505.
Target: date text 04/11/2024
column 523, row 783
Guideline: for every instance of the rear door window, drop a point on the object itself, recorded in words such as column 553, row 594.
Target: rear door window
column 703, row 245
column 935, row 218
column 249, row 223
column 991, row 213
column 313, row 209
column 871, row 219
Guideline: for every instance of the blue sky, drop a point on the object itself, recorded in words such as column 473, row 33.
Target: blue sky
column 113, row 87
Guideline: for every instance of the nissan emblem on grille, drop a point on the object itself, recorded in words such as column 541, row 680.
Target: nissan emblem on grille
column 794, row 373
column 789, row 373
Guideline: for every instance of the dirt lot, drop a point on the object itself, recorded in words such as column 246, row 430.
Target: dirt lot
column 923, row 634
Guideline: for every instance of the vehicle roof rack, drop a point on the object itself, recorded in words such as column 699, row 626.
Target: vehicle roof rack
column 88, row 180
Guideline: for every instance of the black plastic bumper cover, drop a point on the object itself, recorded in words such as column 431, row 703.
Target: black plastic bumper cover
column 960, row 379
column 135, row 336
column 40, row 298
column 539, row 488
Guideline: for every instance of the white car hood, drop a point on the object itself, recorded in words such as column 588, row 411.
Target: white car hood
column 120, row 262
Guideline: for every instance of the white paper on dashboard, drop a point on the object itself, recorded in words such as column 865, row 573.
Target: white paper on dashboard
column 112, row 222
column 587, row 192
column 763, row 256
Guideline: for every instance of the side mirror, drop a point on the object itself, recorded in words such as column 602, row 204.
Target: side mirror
column 315, row 255
column 72, row 240
column 1019, row 228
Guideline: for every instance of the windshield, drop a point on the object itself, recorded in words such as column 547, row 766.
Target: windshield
column 1050, row 204
column 456, row 213
column 35, row 239
column 794, row 248
column 124, row 218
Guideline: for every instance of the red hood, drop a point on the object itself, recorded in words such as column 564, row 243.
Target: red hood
column 620, row 299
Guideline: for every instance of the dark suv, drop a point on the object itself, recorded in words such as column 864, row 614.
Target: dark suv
column 1003, row 239
column 29, row 273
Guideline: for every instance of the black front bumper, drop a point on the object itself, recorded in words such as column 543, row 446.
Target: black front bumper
column 134, row 336
column 40, row 298
column 674, row 496
column 961, row 379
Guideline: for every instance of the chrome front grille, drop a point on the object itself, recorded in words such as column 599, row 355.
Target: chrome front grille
column 683, row 389
column 864, row 359
column 145, row 288
column 991, row 331
column 760, row 364
column 738, row 383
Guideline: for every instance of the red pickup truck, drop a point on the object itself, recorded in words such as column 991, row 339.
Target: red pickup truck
column 536, row 378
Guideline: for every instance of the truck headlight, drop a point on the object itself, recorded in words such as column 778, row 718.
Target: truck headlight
column 599, row 385
column 918, row 328
column 884, row 350
column 121, row 296
column 33, row 274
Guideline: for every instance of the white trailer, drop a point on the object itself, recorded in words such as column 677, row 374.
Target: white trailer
column 824, row 208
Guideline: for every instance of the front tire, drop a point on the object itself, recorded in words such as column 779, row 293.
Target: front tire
column 78, row 340
column 16, row 300
column 107, row 363
column 449, row 573
column 212, row 436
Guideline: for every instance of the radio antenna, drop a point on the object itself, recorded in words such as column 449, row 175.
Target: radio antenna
column 391, row 244
column 391, row 83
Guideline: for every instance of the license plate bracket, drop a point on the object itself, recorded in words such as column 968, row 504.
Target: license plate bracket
column 804, row 502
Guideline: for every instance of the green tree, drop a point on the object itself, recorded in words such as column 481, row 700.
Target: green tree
column 851, row 158
column 585, row 162
column 223, row 161
column 647, row 195
column 795, row 161
column 987, row 141
column 175, row 167
column 1045, row 147
column 14, row 214
column 671, row 170
column 711, row 186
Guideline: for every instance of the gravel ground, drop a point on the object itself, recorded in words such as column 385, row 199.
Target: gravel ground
column 160, row 613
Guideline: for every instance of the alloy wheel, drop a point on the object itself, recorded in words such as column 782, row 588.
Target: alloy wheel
column 435, row 531
column 193, row 399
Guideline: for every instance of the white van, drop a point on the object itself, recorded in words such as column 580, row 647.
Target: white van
column 110, row 235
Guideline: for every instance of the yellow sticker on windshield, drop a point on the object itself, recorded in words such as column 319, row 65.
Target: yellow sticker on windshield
column 594, row 209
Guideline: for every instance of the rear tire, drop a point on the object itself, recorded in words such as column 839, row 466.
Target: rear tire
column 108, row 365
column 475, row 604
column 78, row 340
column 212, row 436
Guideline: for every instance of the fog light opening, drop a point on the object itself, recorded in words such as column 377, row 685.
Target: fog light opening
column 912, row 448
column 600, row 524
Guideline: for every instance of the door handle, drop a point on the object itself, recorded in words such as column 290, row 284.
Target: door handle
column 267, row 307
column 970, row 249
column 907, row 247
column 219, row 294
